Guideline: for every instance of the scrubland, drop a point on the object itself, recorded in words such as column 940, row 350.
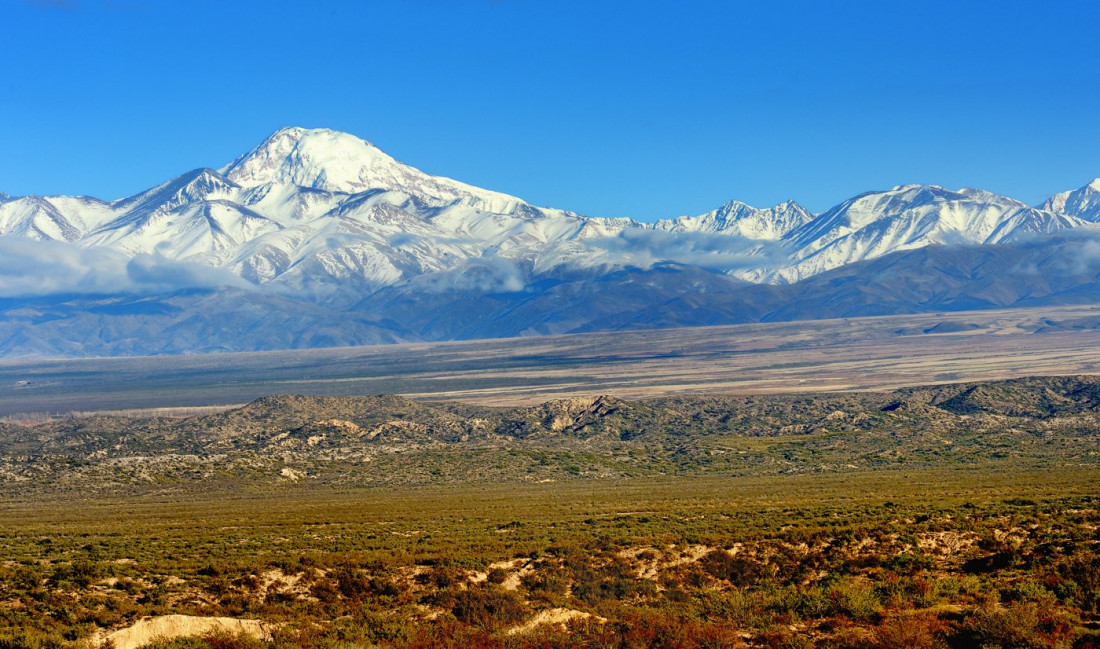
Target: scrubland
column 954, row 516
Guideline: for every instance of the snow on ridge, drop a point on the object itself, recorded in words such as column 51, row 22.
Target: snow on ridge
column 313, row 208
column 332, row 161
column 741, row 219
column 1083, row 203
column 908, row 217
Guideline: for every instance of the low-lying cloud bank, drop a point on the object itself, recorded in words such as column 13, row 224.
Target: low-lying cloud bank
column 35, row 268
column 714, row 252
column 42, row 268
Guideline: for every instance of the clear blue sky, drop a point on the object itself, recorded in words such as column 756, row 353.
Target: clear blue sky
column 644, row 109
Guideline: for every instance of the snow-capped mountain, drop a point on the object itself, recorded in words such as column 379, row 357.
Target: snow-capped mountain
column 53, row 218
column 315, row 211
column 318, row 238
column 330, row 217
column 908, row 217
column 336, row 162
column 1084, row 203
column 737, row 218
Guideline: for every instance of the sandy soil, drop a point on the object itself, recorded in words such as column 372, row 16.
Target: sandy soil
column 167, row 627
column 558, row 616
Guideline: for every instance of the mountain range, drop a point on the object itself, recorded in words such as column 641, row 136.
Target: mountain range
column 318, row 238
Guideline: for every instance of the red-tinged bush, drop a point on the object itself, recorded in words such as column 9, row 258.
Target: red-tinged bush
column 719, row 636
column 912, row 632
column 781, row 638
column 448, row 635
column 226, row 641
column 488, row 608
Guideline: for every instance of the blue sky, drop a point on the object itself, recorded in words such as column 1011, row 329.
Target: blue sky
column 644, row 109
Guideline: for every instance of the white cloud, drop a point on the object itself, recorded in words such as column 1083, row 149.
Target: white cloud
column 29, row 267
column 716, row 252
column 488, row 274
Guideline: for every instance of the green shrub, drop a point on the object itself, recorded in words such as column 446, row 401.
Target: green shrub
column 1019, row 626
column 855, row 598
column 1079, row 582
column 30, row 640
column 735, row 569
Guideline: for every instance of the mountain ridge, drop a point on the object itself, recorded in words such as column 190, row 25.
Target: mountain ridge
column 308, row 183
column 328, row 226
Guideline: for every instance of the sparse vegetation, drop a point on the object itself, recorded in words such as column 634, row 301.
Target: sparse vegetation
column 935, row 517
column 390, row 440
column 880, row 559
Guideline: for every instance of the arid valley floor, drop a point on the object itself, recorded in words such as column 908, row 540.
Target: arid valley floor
column 812, row 356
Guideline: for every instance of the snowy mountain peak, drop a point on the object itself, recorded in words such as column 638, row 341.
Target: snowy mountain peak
column 315, row 158
column 330, row 215
column 1084, row 202
column 743, row 220
column 915, row 187
column 331, row 161
column 198, row 184
column 913, row 216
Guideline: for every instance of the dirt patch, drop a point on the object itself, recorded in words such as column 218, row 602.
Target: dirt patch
column 946, row 544
column 167, row 627
column 515, row 579
column 650, row 561
column 479, row 576
column 555, row 616
column 293, row 475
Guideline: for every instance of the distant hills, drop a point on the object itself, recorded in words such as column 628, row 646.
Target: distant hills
column 1049, row 422
column 318, row 238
